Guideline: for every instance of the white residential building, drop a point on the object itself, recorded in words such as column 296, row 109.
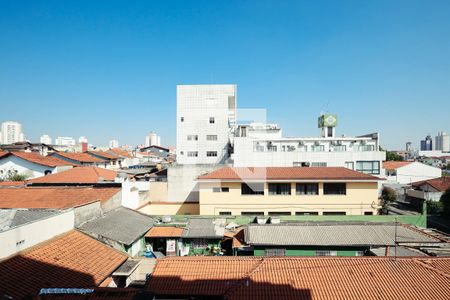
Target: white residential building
column 46, row 139
column 113, row 144
column 11, row 132
column 206, row 116
column 442, row 142
column 152, row 139
column 407, row 172
column 64, row 141
column 262, row 145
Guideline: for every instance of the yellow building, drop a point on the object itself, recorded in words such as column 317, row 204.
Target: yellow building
column 288, row 191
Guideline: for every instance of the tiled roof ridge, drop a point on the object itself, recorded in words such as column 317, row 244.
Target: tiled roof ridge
column 424, row 263
column 245, row 277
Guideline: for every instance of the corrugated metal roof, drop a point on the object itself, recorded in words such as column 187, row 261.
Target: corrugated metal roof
column 10, row 218
column 332, row 235
column 204, row 228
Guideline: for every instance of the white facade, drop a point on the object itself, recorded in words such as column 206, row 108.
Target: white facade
column 413, row 172
column 46, row 139
column 82, row 139
column 152, row 139
column 206, row 115
column 113, row 144
column 11, row 132
column 442, row 142
column 64, row 141
column 27, row 168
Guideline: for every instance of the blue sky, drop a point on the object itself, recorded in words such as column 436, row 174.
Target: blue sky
column 109, row 69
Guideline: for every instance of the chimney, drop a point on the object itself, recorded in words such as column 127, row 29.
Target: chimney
column 84, row 147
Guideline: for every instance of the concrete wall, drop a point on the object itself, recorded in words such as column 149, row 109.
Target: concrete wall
column 158, row 191
column 31, row 170
column 28, row 235
column 415, row 172
column 134, row 194
column 170, row 209
column 113, row 203
column 361, row 197
column 87, row 212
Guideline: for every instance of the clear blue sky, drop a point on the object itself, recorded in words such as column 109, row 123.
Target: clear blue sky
column 109, row 69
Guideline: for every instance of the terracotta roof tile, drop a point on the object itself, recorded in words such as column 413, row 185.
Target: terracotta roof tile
column 72, row 260
column 164, row 231
column 120, row 152
column 11, row 183
column 78, row 175
column 393, row 165
column 441, row 184
column 100, row 293
column 302, row 278
column 53, row 197
column 104, row 154
column 287, row 173
column 36, row 158
column 80, row 157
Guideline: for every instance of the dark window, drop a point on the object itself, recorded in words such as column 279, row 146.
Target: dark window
column 225, row 189
column 182, row 119
column 275, row 252
column 334, row 188
column 252, row 189
column 330, row 131
column 224, row 213
column 306, row 213
column 212, row 120
column 47, row 172
column 252, row 213
column 216, row 189
column 307, row 189
column 334, row 213
column 368, row 213
column 279, row 213
column 279, row 188
column 211, row 153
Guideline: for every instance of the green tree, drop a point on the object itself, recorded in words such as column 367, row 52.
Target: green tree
column 12, row 175
column 393, row 156
column 389, row 196
column 445, row 201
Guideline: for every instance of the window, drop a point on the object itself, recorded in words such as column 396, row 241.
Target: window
column 181, row 152
column 359, row 253
column 318, row 164
column 306, row 213
column 326, row 253
column 366, row 148
column 334, row 213
column 368, row 167
column 182, row 119
column 272, row 148
column 279, row 213
column 252, row 213
column 224, row 213
column 334, row 188
column 192, row 154
column 368, row 213
column 318, row 148
column 339, row 148
column 275, row 252
column 252, row 189
column 300, row 164
column 221, row 189
column 225, row 189
column 199, row 243
column 258, row 148
column 350, row 165
column 216, row 189
column 279, row 188
column 307, row 189
column 212, row 120
column 211, row 137
column 192, row 137
column 211, row 153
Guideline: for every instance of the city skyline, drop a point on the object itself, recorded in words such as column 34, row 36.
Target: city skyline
column 110, row 71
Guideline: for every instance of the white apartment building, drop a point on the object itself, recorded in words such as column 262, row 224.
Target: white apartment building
column 262, row 145
column 442, row 142
column 152, row 139
column 64, row 141
column 113, row 144
column 206, row 117
column 11, row 132
column 45, row 139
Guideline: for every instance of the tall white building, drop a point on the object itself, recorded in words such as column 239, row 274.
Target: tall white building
column 46, row 139
column 11, row 132
column 442, row 142
column 113, row 144
column 64, row 141
column 152, row 139
column 206, row 115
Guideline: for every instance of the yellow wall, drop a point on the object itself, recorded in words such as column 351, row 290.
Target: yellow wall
column 158, row 191
column 170, row 209
column 361, row 197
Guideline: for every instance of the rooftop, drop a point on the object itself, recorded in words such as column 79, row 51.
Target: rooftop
column 441, row 184
column 78, row 175
column 204, row 228
column 287, row 173
column 122, row 225
column 53, row 197
column 10, row 218
column 104, row 154
column 71, row 260
column 394, row 165
column 164, row 231
column 36, row 158
column 302, row 278
column 80, row 157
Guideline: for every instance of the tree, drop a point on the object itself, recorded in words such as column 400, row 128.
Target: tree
column 393, row 156
column 389, row 196
column 445, row 201
column 12, row 175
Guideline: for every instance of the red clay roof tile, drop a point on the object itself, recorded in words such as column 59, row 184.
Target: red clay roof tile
column 394, row 165
column 80, row 157
column 441, row 184
column 78, row 175
column 164, row 231
column 36, row 158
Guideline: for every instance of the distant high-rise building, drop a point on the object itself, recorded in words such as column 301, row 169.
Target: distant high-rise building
column 46, row 139
column 408, row 147
column 11, row 132
column 442, row 142
column 426, row 144
column 113, row 144
column 82, row 139
column 152, row 139
column 64, row 141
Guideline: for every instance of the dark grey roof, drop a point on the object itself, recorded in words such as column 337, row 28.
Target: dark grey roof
column 122, row 225
column 204, row 228
column 10, row 218
column 317, row 234
column 127, row 267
